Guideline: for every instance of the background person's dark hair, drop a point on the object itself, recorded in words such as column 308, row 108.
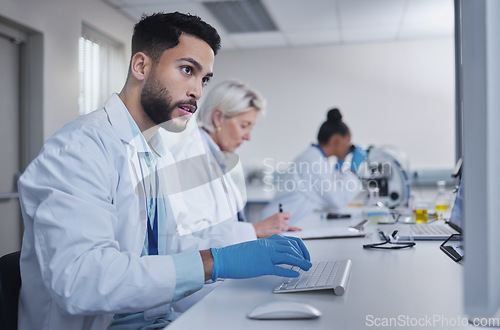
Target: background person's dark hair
column 333, row 125
column 155, row 33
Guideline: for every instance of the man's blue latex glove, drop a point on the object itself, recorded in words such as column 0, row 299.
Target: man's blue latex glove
column 358, row 156
column 261, row 257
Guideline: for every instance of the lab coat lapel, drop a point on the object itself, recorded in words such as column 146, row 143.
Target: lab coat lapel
column 115, row 109
column 119, row 122
column 117, row 116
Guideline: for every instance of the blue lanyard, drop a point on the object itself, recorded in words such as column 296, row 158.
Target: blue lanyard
column 153, row 232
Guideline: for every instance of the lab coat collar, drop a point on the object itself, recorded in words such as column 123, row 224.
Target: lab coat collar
column 211, row 143
column 117, row 111
column 219, row 155
column 320, row 149
column 156, row 143
column 117, row 116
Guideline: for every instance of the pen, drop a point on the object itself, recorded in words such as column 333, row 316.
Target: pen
column 281, row 208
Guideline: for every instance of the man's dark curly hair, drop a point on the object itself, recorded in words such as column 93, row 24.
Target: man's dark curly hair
column 160, row 31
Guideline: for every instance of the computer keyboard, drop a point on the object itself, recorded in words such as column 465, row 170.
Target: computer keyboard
column 323, row 275
column 437, row 229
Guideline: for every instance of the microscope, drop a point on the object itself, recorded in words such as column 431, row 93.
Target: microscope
column 386, row 168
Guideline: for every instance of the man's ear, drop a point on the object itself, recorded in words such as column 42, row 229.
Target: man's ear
column 140, row 65
column 217, row 116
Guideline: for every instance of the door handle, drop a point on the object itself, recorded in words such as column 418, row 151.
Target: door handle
column 14, row 194
column 8, row 196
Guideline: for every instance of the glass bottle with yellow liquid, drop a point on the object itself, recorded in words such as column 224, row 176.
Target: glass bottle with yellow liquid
column 442, row 200
column 420, row 210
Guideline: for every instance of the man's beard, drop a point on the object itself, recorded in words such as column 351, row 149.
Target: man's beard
column 157, row 104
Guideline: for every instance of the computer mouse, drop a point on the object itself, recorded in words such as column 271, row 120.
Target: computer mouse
column 283, row 310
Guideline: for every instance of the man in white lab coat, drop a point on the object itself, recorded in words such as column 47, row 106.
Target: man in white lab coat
column 92, row 250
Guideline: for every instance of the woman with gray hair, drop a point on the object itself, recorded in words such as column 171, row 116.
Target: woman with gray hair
column 226, row 118
column 228, row 113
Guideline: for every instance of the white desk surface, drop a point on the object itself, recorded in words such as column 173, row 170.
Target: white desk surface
column 415, row 287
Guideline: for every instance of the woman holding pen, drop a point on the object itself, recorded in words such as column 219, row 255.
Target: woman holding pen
column 226, row 118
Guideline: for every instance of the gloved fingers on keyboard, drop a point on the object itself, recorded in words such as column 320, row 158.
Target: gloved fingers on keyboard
column 301, row 246
column 291, row 259
column 286, row 272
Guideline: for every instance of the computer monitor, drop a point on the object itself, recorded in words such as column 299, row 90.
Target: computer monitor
column 478, row 79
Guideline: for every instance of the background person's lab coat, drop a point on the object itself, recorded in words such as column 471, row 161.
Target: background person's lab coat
column 312, row 182
column 225, row 190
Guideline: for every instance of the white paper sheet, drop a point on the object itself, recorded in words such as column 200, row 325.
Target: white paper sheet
column 318, row 233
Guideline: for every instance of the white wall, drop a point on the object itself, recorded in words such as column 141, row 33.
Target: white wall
column 390, row 93
column 60, row 22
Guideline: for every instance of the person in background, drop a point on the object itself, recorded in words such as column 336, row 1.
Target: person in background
column 313, row 181
column 226, row 119
column 92, row 207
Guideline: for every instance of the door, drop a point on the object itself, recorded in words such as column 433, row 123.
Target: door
column 10, row 215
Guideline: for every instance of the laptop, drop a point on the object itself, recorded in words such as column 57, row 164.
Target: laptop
column 439, row 230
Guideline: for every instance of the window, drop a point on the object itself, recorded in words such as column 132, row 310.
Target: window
column 101, row 68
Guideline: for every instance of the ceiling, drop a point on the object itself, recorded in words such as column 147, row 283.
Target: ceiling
column 302, row 23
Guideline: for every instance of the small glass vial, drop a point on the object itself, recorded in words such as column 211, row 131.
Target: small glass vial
column 375, row 211
column 442, row 200
column 374, row 196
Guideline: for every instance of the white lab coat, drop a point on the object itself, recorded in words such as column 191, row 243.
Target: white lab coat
column 312, row 182
column 85, row 228
column 217, row 202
